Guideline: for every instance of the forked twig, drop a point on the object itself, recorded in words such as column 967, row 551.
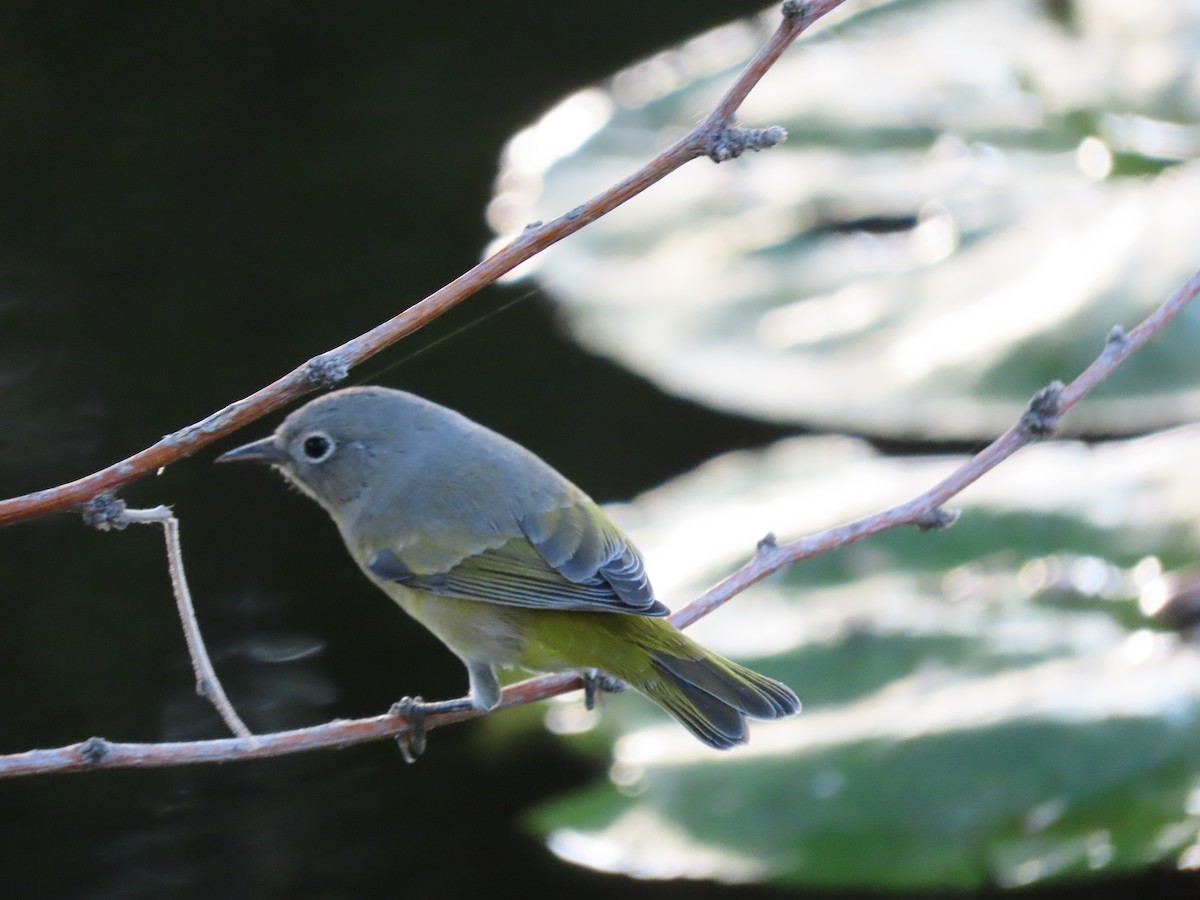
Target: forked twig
column 106, row 512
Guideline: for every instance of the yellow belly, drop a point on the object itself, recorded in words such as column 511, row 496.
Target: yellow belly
column 541, row 640
column 473, row 630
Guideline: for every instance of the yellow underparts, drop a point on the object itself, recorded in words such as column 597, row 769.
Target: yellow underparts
column 544, row 640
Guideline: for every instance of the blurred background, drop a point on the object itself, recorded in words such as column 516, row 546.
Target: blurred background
column 195, row 200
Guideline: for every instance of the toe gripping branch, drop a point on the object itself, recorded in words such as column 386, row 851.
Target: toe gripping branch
column 415, row 710
column 596, row 682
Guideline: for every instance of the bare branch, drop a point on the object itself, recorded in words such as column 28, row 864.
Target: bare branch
column 99, row 753
column 925, row 511
column 711, row 137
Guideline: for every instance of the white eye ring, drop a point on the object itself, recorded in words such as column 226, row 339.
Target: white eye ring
column 317, row 446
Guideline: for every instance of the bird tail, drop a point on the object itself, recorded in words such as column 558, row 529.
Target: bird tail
column 712, row 696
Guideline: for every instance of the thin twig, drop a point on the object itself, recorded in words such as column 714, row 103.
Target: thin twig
column 107, row 512
column 797, row 16
column 712, row 137
column 925, row 511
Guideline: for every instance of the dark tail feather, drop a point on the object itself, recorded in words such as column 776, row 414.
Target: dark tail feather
column 712, row 697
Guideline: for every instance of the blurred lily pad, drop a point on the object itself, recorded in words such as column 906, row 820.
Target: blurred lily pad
column 995, row 704
column 972, row 194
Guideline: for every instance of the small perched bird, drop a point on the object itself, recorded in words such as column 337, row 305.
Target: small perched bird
column 502, row 558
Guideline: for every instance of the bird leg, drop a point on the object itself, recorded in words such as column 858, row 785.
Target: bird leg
column 595, row 681
column 485, row 686
column 415, row 710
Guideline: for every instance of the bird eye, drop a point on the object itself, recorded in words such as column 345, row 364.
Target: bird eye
column 317, row 447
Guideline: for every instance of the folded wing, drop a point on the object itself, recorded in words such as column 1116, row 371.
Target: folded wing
column 570, row 558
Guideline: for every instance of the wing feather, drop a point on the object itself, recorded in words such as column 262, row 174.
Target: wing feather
column 570, row 558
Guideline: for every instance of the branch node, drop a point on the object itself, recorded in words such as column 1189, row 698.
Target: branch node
column 1041, row 418
column 794, row 10
column 326, row 370
column 94, row 750
column 766, row 544
column 937, row 518
column 1117, row 338
column 105, row 512
column 730, row 143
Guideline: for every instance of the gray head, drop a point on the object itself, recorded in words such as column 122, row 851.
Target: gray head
column 383, row 463
column 335, row 448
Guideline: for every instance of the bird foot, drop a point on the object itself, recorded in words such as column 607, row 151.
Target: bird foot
column 416, row 710
column 595, row 681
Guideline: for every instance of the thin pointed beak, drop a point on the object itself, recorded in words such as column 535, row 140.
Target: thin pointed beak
column 264, row 451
